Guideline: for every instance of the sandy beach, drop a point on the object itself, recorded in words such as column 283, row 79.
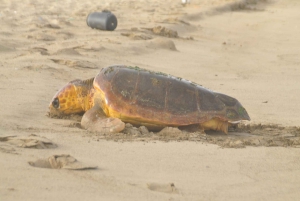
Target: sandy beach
column 248, row 49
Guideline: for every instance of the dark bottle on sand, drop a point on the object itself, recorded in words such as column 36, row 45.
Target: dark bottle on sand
column 104, row 20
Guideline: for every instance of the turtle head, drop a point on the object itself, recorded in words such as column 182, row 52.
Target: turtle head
column 243, row 113
column 65, row 101
column 74, row 98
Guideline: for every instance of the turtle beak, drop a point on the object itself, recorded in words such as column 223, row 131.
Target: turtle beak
column 54, row 108
column 245, row 115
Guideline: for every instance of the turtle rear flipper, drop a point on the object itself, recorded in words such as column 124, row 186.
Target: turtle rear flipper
column 95, row 120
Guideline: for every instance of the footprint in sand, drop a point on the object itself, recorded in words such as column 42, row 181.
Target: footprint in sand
column 7, row 143
column 62, row 161
column 7, row 149
column 65, row 35
column 163, row 31
column 41, row 50
column 4, row 48
column 174, row 21
column 43, row 22
column 46, row 68
column 67, row 51
column 161, row 43
column 135, row 36
column 164, row 188
column 92, row 48
column 31, row 141
column 290, row 58
column 75, row 64
column 41, row 37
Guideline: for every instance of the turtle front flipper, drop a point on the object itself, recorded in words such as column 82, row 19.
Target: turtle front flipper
column 96, row 121
column 215, row 124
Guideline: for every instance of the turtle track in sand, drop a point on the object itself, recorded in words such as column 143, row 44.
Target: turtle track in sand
column 239, row 137
column 243, row 135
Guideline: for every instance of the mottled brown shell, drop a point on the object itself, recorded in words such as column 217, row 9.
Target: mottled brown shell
column 155, row 99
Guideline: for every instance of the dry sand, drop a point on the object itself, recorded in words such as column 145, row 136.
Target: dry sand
column 248, row 49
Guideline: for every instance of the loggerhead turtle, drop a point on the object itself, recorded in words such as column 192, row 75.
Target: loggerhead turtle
column 134, row 95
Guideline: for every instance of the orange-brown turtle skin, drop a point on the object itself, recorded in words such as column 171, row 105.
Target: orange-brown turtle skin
column 152, row 99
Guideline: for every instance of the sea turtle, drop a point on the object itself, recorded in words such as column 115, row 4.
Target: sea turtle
column 156, row 100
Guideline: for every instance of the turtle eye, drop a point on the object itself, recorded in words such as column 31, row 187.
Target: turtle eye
column 55, row 103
